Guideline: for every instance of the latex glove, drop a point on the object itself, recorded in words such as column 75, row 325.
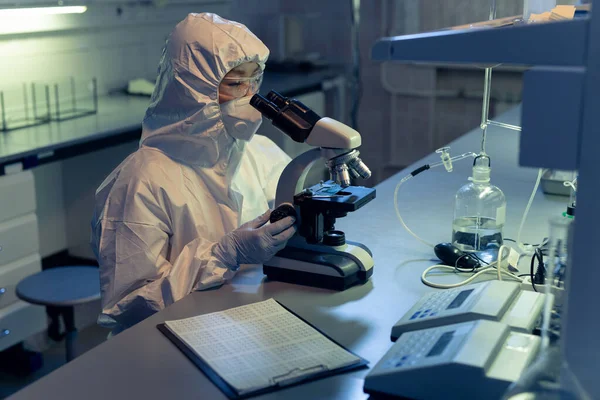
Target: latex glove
column 254, row 242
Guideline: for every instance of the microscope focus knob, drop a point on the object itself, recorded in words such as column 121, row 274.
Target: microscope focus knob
column 334, row 238
column 282, row 211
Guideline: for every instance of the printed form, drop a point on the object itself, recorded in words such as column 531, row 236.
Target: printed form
column 260, row 345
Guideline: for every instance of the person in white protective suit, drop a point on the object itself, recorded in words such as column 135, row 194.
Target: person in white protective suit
column 192, row 204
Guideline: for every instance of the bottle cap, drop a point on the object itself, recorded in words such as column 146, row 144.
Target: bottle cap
column 481, row 169
column 481, row 174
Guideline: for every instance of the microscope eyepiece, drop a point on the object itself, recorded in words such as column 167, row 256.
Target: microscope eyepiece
column 264, row 106
column 289, row 116
column 277, row 99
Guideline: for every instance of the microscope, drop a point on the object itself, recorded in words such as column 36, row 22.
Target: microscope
column 318, row 255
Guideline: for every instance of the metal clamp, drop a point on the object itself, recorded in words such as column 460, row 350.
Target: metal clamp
column 4, row 333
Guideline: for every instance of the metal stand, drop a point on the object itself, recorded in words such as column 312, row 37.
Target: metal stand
column 70, row 334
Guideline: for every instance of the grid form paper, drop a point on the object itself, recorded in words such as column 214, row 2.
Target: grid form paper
column 260, row 345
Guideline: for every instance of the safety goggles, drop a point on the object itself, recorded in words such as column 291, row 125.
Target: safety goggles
column 241, row 86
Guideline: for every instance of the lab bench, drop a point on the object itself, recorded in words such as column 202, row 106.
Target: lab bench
column 142, row 363
column 49, row 174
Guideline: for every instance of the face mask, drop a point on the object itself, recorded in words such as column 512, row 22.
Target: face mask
column 240, row 118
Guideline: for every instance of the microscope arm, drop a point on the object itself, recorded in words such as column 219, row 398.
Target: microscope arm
column 332, row 134
column 293, row 178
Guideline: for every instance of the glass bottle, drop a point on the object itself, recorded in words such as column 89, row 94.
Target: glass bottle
column 479, row 211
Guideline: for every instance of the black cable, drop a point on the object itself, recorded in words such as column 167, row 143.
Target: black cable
column 531, row 272
column 480, row 259
column 540, row 273
column 420, row 169
column 461, row 269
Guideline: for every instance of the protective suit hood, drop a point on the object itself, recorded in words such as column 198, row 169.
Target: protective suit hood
column 184, row 118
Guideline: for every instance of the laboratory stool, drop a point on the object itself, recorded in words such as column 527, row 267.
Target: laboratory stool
column 60, row 289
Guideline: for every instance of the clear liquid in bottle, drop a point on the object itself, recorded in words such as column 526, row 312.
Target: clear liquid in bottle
column 476, row 233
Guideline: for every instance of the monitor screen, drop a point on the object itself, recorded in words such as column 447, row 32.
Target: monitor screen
column 459, row 299
column 441, row 344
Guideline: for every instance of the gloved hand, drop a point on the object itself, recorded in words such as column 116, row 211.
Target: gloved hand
column 254, row 242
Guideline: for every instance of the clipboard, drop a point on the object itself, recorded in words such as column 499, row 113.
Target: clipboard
column 288, row 379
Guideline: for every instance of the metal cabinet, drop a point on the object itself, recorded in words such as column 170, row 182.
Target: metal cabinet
column 19, row 258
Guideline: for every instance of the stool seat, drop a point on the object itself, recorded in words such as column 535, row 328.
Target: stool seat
column 61, row 286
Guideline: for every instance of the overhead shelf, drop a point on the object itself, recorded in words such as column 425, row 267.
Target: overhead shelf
column 555, row 43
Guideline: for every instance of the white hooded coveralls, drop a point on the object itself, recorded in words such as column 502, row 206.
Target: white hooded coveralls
column 161, row 211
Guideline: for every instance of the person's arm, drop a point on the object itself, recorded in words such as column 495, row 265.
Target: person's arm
column 131, row 240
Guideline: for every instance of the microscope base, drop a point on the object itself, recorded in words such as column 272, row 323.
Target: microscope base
column 339, row 283
column 321, row 266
